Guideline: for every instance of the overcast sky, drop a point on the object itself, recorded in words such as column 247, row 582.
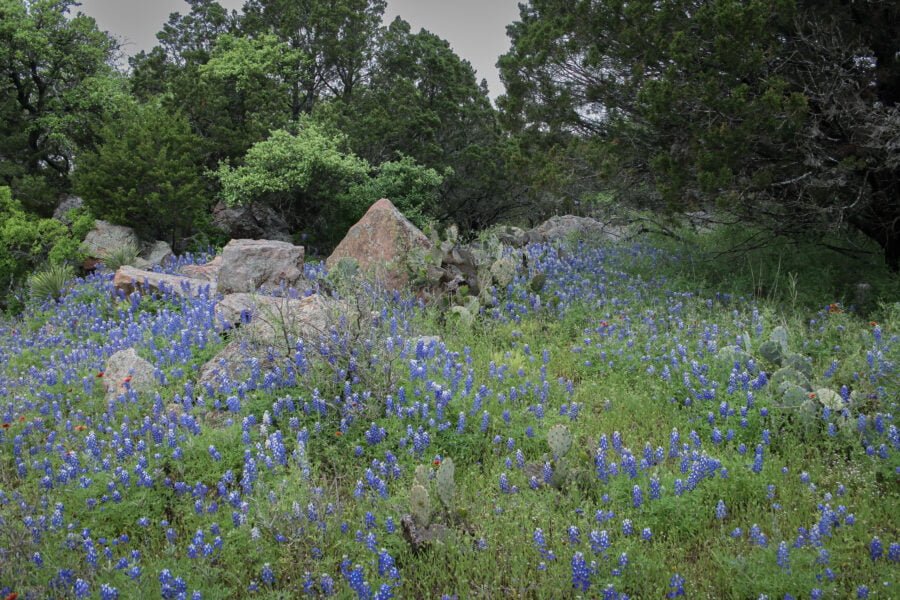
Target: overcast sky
column 476, row 29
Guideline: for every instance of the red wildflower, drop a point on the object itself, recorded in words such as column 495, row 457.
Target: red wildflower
column 127, row 379
column 338, row 433
column 12, row 596
column 99, row 373
column 5, row 426
column 812, row 395
column 437, row 462
column 21, row 418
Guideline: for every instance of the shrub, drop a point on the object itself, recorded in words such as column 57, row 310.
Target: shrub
column 50, row 282
column 27, row 241
column 121, row 256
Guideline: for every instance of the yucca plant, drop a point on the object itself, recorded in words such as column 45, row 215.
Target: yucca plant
column 50, row 282
column 123, row 255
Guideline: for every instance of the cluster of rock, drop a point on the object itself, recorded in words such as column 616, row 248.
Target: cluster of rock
column 562, row 227
column 380, row 245
column 105, row 238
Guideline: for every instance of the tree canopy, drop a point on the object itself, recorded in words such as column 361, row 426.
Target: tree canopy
column 55, row 83
column 780, row 113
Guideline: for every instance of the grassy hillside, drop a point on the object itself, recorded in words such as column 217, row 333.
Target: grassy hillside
column 715, row 435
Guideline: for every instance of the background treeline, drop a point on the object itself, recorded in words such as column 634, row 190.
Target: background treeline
column 779, row 114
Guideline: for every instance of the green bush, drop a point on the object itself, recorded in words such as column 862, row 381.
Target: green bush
column 312, row 178
column 27, row 241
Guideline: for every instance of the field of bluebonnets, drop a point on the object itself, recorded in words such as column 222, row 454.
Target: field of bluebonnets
column 615, row 429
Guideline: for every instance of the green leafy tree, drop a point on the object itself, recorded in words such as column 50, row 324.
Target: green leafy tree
column 778, row 113
column 55, row 84
column 145, row 174
column 318, row 185
column 423, row 101
column 224, row 116
column 331, row 43
column 412, row 188
column 304, row 175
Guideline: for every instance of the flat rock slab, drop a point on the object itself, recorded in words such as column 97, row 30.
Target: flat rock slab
column 380, row 244
column 128, row 279
column 248, row 265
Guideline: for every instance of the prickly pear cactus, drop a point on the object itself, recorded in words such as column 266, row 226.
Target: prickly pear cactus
column 829, row 398
column 800, row 363
column 792, row 395
column 537, row 282
column 503, row 271
column 444, row 482
column 789, row 375
column 779, row 335
column 420, row 505
column 771, row 351
column 463, row 314
column 422, row 474
column 559, row 439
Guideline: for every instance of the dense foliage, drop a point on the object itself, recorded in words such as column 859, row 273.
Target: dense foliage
column 315, row 182
column 55, row 84
column 28, row 241
column 144, row 173
column 785, row 114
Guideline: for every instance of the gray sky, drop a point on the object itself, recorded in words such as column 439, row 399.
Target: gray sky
column 476, row 29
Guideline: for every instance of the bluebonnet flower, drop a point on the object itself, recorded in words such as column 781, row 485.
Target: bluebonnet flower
column 581, row 575
column 876, row 548
column 721, row 511
column 655, row 490
column 782, row 557
column 676, row 585
column 627, row 527
column 637, row 496
column 504, row 483
column 646, row 534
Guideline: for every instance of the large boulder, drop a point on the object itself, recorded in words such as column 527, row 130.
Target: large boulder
column 158, row 253
column 268, row 317
column 380, row 243
column 248, row 265
column 106, row 237
column 269, row 333
column 253, row 221
column 126, row 370
column 562, row 227
column 128, row 279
